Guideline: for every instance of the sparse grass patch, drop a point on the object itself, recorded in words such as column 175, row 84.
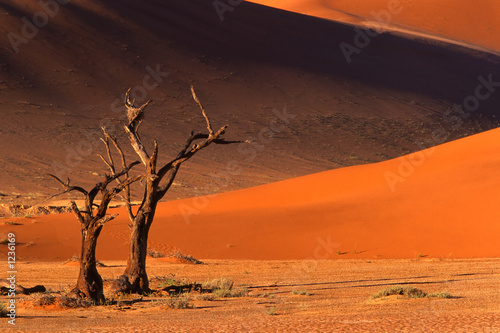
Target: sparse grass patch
column 169, row 281
column 406, row 291
column 300, row 292
column 155, row 254
column 206, row 297
column 11, row 223
column 180, row 302
column 223, row 287
column 440, row 295
column 184, row 257
column 39, row 299
column 73, row 303
column 271, row 311
column 220, row 283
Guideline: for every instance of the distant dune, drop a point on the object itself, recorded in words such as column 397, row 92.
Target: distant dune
column 471, row 22
column 440, row 203
column 68, row 76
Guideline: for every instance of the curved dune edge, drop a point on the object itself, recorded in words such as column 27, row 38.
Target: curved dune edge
column 462, row 22
column 443, row 205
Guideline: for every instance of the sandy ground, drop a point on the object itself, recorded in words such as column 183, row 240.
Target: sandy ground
column 339, row 298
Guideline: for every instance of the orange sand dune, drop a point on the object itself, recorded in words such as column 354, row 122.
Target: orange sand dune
column 474, row 22
column 441, row 202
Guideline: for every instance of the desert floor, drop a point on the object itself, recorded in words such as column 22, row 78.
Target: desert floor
column 339, row 298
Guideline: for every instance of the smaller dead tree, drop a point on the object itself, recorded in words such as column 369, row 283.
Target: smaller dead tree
column 89, row 284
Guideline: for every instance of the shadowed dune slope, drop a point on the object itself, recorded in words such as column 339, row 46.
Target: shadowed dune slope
column 440, row 202
column 68, row 80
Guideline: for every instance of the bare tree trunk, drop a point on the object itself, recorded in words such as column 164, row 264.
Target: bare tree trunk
column 89, row 284
column 136, row 262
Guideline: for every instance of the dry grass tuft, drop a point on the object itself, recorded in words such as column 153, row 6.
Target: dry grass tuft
column 185, row 258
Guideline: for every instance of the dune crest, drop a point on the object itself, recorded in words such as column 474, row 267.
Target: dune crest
column 465, row 22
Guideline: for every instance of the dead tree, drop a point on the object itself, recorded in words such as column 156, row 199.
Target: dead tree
column 158, row 181
column 89, row 284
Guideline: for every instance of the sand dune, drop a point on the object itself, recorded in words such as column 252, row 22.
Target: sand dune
column 439, row 202
column 462, row 21
column 67, row 81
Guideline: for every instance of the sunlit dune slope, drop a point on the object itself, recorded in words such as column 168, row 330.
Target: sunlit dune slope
column 440, row 202
column 473, row 22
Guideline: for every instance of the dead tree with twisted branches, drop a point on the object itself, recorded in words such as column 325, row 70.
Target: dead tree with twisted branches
column 158, row 181
column 92, row 219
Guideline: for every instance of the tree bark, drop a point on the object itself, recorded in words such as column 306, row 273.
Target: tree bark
column 136, row 262
column 89, row 284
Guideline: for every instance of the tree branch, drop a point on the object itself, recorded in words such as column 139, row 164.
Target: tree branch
column 209, row 126
column 126, row 197
column 105, row 219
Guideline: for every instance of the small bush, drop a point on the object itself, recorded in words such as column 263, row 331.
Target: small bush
column 11, row 223
column 220, row 283
column 185, row 258
column 223, row 287
column 155, row 254
column 169, row 281
column 72, row 303
column 181, row 302
column 206, row 297
column 42, row 299
column 408, row 292
column 3, row 310
column 301, row 292
column 271, row 311
column 440, row 295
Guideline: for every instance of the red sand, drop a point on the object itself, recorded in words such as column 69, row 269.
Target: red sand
column 474, row 22
column 444, row 205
